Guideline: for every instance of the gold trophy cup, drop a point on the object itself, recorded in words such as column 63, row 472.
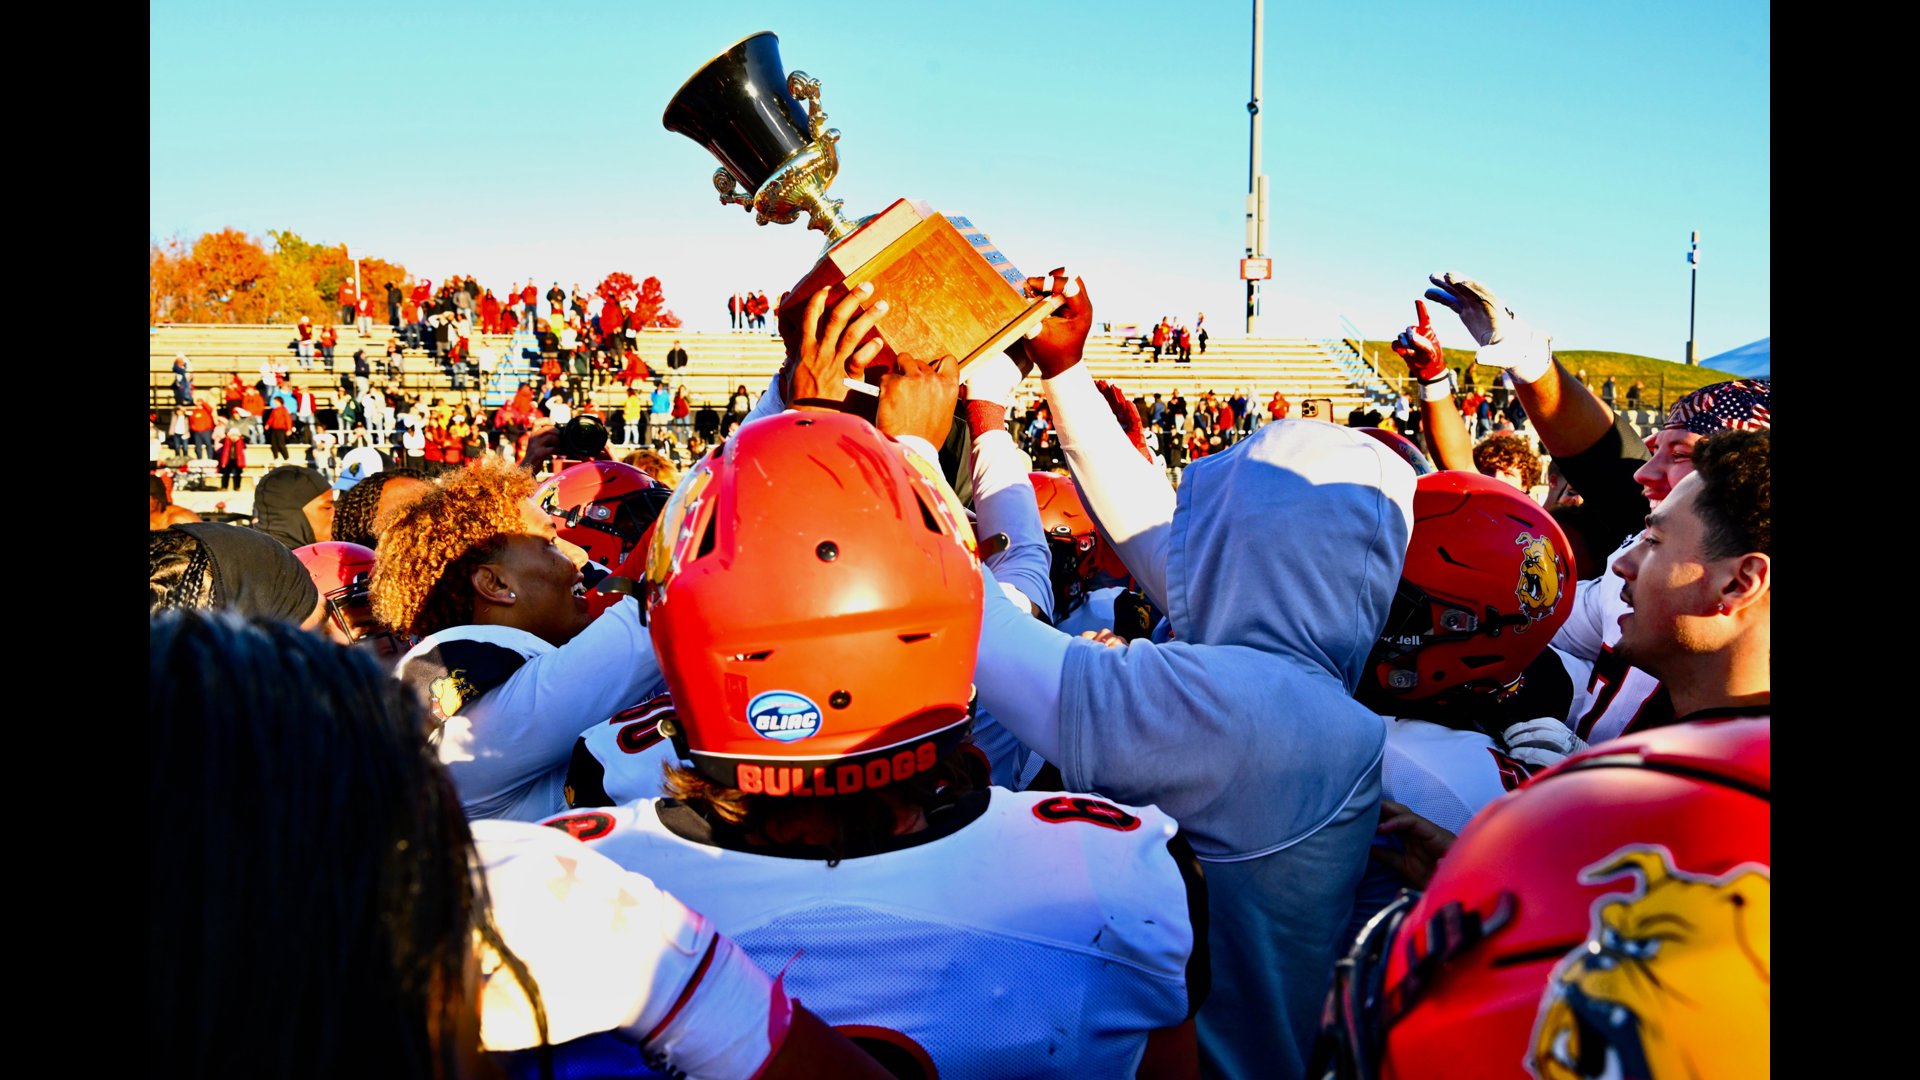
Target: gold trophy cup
column 950, row 292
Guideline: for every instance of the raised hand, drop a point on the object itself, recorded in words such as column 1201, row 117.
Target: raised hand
column 1505, row 341
column 1063, row 335
column 1419, row 346
column 1481, row 311
column 917, row 397
column 833, row 349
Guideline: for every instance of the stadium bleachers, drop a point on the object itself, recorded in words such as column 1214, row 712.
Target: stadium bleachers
column 1301, row 368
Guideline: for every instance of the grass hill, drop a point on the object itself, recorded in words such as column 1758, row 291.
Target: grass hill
column 1624, row 367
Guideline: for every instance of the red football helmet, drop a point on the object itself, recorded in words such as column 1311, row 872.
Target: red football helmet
column 342, row 572
column 814, row 599
column 1080, row 555
column 1486, row 585
column 602, row 506
column 1610, row 918
column 1403, row 446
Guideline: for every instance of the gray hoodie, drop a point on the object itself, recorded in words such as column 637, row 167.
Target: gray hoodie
column 1282, row 558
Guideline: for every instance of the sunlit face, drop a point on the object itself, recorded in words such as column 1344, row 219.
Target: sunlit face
column 1672, row 462
column 543, row 573
column 1512, row 477
column 1667, row 581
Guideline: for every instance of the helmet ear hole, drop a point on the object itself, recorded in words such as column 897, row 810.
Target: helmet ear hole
column 708, row 538
column 926, row 513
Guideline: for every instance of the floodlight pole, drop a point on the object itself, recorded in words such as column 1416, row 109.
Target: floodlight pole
column 1693, row 295
column 1256, row 183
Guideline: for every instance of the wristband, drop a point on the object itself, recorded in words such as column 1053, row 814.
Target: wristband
column 1437, row 389
column 985, row 416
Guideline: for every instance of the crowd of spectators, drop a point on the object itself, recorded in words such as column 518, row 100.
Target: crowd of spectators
column 1067, row 734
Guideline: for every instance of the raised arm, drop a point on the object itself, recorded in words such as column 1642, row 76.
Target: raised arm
column 1003, row 499
column 1128, row 495
column 1567, row 415
column 1419, row 346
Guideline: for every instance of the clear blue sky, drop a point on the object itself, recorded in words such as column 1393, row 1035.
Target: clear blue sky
column 1559, row 153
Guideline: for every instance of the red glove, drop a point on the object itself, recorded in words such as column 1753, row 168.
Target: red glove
column 1419, row 346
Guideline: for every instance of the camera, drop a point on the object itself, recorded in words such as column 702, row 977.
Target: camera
column 582, row 437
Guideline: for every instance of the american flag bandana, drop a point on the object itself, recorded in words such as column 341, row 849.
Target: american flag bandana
column 1740, row 405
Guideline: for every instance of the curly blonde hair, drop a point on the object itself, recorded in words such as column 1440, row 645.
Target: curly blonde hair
column 1507, row 450
column 422, row 576
column 654, row 464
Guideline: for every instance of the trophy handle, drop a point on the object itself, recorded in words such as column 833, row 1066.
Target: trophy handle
column 730, row 193
column 806, row 88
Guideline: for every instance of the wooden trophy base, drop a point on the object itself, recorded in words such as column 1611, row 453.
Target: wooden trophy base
column 949, row 293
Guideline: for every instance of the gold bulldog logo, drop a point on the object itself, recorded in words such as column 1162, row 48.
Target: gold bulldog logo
column 1540, row 573
column 448, row 693
column 1672, row 981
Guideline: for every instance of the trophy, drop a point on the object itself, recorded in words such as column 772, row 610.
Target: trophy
column 949, row 291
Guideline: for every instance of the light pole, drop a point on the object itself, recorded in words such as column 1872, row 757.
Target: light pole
column 1693, row 295
column 1256, row 183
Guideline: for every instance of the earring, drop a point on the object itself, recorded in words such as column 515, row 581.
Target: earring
column 1723, row 609
column 511, row 596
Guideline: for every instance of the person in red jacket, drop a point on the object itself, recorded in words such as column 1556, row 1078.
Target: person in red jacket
column 634, row 370
column 1279, row 407
column 200, row 424
column 529, row 301
column 349, row 302
column 435, row 450
column 612, row 322
column 489, row 313
column 234, row 394
column 233, row 457
column 365, row 312
column 279, row 423
column 328, row 339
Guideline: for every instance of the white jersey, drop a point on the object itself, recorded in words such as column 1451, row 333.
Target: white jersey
column 622, row 759
column 1616, row 692
column 1445, row 774
column 1026, row 934
column 612, row 955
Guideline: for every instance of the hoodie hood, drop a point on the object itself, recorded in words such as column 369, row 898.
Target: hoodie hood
column 1291, row 542
column 278, row 500
column 1283, row 558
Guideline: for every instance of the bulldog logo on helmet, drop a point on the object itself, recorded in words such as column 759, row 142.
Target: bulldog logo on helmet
column 1680, row 963
column 783, row 716
column 1540, row 574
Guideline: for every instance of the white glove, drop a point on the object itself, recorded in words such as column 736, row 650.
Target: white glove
column 1526, row 352
column 1540, row 743
column 993, row 379
column 1504, row 340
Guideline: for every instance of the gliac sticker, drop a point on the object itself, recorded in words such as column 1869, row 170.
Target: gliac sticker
column 783, row 716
